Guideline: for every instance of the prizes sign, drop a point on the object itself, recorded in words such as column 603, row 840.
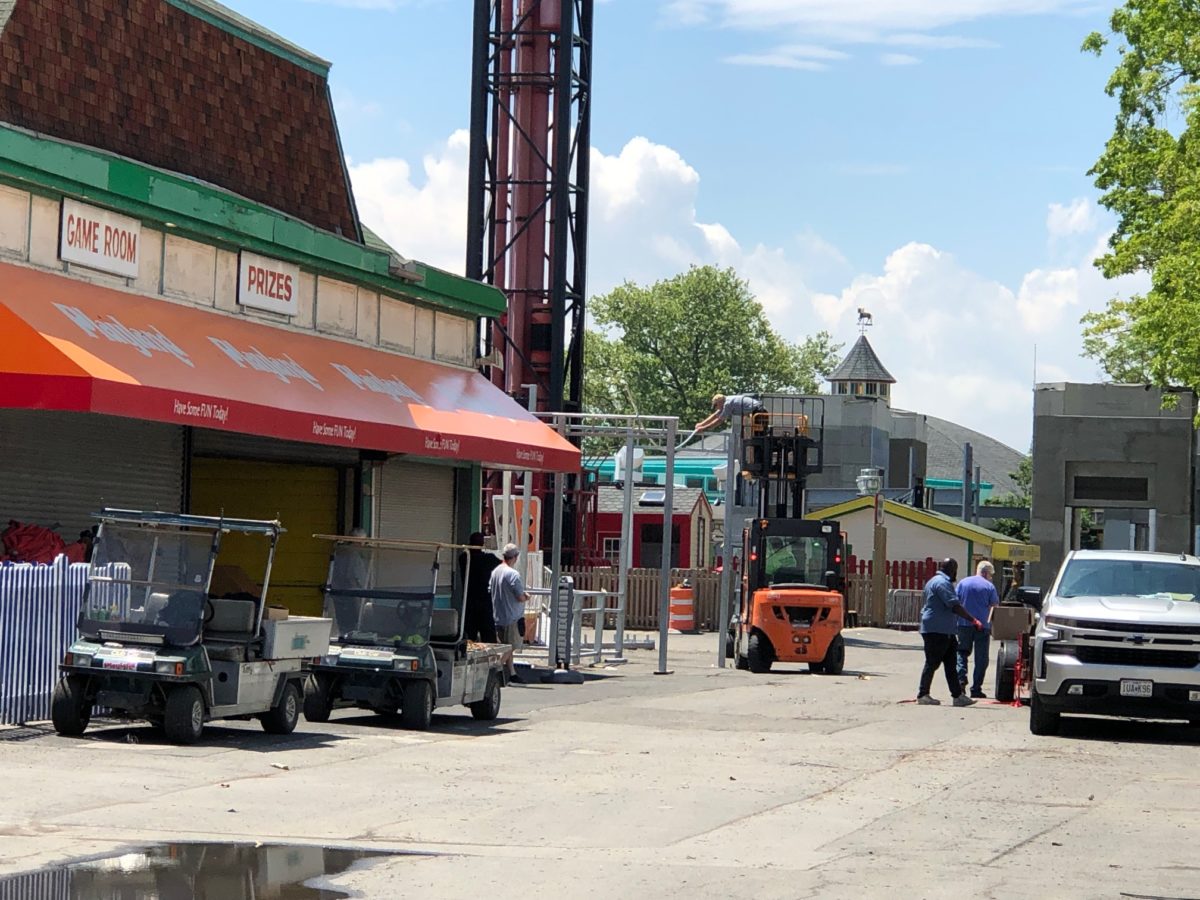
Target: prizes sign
column 99, row 239
column 268, row 284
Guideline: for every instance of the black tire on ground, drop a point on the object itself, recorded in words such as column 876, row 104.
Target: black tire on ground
column 417, row 710
column 318, row 698
column 1005, row 674
column 70, row 710
column 834, row 661
column 729, row 646
column 283, row 717
column 1042, row 721
column 759, row 653
column 488, row 708
column 183, row 715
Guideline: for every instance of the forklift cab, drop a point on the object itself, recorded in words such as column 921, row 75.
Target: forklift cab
column 794, row 553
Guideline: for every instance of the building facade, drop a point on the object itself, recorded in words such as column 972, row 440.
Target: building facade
column 194, row 318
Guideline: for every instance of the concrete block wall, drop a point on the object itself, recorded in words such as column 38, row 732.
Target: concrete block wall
column 177, row 269
column 1109, row 430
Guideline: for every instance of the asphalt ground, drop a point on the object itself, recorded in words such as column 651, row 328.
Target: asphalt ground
column 702, row 783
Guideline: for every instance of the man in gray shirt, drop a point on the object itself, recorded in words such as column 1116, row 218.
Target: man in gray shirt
column 508, row 599
column 725, row 408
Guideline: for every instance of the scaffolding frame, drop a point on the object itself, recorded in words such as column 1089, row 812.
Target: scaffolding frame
column 637, row 432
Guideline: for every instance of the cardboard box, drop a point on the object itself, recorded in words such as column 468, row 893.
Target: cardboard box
column 1010, row 622
column 275, row 613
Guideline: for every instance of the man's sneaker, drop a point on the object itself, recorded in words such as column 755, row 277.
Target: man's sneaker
column 963, row 700
column 926, row 700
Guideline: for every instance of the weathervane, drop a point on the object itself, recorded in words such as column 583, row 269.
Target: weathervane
column 864, row 321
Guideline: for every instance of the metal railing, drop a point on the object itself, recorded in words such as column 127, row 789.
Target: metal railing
column 904, row 608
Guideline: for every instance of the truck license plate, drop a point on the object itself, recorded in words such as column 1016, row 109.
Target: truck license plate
column 1137, row 688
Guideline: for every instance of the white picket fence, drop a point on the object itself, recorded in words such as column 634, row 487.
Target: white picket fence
column 39, row 606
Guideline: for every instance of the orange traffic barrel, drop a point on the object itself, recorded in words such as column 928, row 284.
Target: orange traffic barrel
column 683, row 609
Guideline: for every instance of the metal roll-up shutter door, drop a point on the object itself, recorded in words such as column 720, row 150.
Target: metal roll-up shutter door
column 60, row 467
column 416, row 502
column 231, row 445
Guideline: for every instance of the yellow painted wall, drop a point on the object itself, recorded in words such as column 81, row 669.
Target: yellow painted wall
column 305, row 498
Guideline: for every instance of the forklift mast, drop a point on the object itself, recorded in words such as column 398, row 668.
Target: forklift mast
column 782, row 444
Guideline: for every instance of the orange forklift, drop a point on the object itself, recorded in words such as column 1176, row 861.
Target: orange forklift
column 792, row 606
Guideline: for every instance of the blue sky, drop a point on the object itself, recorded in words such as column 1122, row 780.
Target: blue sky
column 924, row 158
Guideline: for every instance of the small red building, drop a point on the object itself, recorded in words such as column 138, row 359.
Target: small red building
column 691, row 528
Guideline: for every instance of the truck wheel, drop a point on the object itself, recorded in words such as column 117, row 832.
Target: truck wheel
column 285, row 714
column 1042, row 721
column 318, row 698
column 834, row 661
column 183, row 715
column 759, row 653
column 488, row 708
column 417, row 709
column 70, row 710
column 1005, row 673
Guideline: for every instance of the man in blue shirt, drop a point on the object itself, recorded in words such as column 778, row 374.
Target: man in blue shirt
column 939, row 630
column 978, row 596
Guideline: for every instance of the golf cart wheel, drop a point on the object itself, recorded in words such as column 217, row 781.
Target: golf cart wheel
column 489, row 707
column 834, row 661
column 183, row 715
column 70, row 710
column 1042, row 721
column 1006, row 660
column 417, row 709
column 285, row 714
column 318, row 698
column 759, row 653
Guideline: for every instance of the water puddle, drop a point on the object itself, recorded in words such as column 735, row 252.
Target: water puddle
column 187, row 871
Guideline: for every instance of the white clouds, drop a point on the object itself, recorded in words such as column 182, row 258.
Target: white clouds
column 960, row 345
column 1074, row 218
column 896, row 23
column 808, row 57
column 426, row 220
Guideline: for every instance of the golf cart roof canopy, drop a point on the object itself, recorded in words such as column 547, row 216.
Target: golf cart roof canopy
column 393, row 543
column 177, row 520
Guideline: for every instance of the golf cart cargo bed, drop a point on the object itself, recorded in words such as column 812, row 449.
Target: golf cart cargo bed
column 296, row 637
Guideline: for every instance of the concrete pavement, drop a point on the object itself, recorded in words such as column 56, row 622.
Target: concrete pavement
column 702, row 783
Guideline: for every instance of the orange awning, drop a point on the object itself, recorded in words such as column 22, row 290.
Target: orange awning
column 70, row 345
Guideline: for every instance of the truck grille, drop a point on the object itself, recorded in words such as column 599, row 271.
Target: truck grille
column 1137, row 656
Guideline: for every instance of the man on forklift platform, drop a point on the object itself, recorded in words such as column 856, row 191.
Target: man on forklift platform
column 725, row 408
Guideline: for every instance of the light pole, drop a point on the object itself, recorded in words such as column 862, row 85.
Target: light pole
column 870, row 482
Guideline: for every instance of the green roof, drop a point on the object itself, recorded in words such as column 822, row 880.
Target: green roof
column 192, row 208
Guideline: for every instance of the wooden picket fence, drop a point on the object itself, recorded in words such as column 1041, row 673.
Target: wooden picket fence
column 644, row 595
column 642, row 604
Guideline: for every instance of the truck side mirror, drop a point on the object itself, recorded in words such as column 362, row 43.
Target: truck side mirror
column 1031, row 597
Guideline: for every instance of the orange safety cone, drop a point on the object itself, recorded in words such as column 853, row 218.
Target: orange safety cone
column 683, row 609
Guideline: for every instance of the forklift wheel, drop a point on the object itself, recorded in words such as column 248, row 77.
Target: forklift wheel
column 183, row 715
column 417, row 709
column 70, row 710
column 759, row 654
column 834, row 661
column 318, row 699
column 488, row 708
column 283, row 717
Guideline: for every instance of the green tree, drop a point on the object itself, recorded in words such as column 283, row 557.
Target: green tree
column 1150, row 175
column 667, row 348
column 1023, row 480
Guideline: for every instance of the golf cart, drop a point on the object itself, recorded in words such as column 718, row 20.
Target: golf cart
column 153, row 644
column 391, row 650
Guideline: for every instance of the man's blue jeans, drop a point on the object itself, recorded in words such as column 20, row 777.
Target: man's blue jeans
column 977, row 642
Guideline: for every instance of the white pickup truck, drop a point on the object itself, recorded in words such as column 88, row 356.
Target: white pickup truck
column 1119, row 635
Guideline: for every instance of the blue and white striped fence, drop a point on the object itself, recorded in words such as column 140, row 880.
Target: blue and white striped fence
column 39, row 605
